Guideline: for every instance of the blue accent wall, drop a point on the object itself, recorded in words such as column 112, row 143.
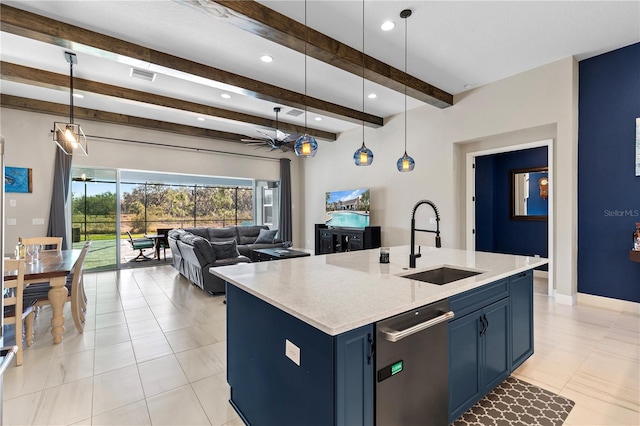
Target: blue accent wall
column 608, row 190
column 495, row 230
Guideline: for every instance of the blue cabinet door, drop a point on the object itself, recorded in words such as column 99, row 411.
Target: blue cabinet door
column 521, row 295
column 464, row 363
column 355, row 377
column 478, row 355
column 495, row 365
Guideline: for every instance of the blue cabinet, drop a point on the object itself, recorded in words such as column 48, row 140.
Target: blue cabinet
column 478, row 355
column 521, row 297
column 490, row 337
column 332, row 385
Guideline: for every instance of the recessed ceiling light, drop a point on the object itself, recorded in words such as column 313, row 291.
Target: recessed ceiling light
column 318, row 118
column 266, row 58
column 225, row 95
column 200, row 119
column 387, row 26
column 78, row 95
column 372, row 96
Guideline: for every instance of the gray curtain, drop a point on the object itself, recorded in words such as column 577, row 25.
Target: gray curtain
column 61, row 183
column 286, row 225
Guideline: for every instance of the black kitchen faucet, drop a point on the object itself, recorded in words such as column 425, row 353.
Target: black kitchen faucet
column 413, row 256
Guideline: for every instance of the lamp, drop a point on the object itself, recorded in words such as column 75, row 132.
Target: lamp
column 363, row 156
column 306, row 146
column 405, row 163
column 69, row 136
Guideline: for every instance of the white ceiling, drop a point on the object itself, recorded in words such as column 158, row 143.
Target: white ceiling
column 451, row 44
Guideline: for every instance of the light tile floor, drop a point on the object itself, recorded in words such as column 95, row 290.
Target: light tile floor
column 153, row 352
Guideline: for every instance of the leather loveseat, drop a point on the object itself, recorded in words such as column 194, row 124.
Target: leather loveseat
column 195, row 250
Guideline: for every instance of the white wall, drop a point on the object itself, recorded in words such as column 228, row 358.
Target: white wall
column 538, row 104
column 28, row 143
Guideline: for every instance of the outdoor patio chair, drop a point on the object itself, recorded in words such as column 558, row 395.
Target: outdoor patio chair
column 140, row 244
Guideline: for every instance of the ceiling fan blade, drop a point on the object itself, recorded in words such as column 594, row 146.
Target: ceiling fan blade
column 266, row 135
column 281, row 135
column 293, row 137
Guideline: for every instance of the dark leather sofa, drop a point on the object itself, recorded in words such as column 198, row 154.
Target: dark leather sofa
column 194, row 251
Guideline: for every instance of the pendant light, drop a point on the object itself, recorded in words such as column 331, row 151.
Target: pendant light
column 69, row 136
column 405, row 163
column 363, row 156
column 306, row 146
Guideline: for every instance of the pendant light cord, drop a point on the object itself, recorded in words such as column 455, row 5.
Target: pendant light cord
column 405, row 85
column 363, row 71
column 306, row 36
column 71, row 92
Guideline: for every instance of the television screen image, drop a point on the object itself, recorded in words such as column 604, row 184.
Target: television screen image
column 347, row 209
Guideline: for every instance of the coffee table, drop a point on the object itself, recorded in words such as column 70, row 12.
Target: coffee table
column 262, row 255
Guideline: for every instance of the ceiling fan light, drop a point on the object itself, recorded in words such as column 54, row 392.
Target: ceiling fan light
column 306, row 147
column 363, row 156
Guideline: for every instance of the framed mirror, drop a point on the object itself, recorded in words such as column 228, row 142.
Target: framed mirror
column 530, row 193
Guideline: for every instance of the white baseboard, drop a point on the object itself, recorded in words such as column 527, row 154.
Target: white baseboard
column 564, row 299
column 609, row 303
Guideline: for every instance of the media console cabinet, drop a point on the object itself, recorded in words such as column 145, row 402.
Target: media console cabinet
column 337, row 240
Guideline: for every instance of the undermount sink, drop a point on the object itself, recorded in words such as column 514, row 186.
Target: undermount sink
column 440, row 276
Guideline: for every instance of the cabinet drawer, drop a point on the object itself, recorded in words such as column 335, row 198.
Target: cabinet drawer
column 469, row 301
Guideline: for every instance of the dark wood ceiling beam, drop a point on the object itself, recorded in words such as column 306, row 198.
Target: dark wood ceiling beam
column 32, row 76
column 257, row 19
column 34, row 105
column 47, row 30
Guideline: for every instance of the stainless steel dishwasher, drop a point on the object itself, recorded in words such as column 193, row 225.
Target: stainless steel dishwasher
column 412, row 363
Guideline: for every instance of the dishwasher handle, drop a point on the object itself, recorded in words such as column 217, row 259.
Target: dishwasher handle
column 397, row 335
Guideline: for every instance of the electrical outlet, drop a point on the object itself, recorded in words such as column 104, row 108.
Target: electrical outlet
column 292, row 352
column 11, row 221
column 536, row 255
column 37, row 221
column 12, row 203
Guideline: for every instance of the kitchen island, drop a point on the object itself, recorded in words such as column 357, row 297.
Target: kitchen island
column 300, row 332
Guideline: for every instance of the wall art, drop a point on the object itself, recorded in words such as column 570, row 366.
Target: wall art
column 17, row 179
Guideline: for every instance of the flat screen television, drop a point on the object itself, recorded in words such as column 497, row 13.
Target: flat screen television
column 347, row 209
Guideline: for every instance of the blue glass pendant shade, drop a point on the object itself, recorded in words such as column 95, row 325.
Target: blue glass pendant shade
column 306, row 146
column 363, row 156
column 405, row 163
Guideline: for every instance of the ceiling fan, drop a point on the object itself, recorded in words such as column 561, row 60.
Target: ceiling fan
column 280, row 141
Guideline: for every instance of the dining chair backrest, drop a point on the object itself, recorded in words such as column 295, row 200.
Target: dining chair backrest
column 78, row 295
column 12, row 303
column 48, row 243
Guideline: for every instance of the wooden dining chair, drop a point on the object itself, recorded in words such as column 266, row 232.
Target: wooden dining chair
column 39, row 294
column 48, row 243
column 15, row 311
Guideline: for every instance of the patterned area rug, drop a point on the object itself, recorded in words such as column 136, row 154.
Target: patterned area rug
column 515, row 402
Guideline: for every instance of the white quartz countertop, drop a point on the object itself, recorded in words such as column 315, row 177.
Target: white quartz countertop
column 340, row 292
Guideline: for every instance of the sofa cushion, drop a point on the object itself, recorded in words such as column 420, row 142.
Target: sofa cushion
column 200, row 232
column 266, row 236
column 225, row 250
column 222, row 234
column 248, row 234
column 201, row 246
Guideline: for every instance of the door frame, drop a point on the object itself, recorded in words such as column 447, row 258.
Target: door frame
column 471, row 192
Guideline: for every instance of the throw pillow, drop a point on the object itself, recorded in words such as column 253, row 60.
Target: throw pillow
column 225, row 250
column 266, row 236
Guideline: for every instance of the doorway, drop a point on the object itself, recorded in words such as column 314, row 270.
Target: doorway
column 482, row 240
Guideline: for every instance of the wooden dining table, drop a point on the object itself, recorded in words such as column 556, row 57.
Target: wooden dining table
column 52, row 267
